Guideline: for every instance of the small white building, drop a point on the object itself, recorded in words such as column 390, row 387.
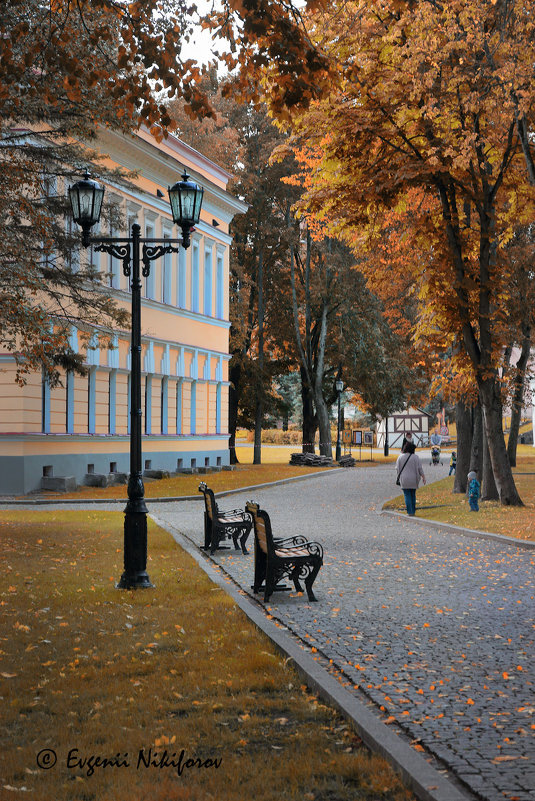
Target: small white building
column 395, row 426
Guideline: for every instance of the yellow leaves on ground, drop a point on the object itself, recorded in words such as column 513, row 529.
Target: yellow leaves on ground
column 124, row 674
column 444, row 506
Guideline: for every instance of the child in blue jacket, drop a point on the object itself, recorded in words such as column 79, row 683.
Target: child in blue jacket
column 474, row 491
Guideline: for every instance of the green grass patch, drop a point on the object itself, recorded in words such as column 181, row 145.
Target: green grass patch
column 115, row 674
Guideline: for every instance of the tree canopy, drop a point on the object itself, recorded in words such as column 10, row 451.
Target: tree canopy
column 68, row 68
column 419, row 140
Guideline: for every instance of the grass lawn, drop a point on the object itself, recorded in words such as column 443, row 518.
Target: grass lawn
column 437, row 502
column 274, row 467
column 136, row 678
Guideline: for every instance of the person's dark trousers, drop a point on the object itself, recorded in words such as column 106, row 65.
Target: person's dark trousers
column 410, row 500
column 474, row 505
column 452, row 470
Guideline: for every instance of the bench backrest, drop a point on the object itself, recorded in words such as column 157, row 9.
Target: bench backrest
column 262, row 527
column 209, row 500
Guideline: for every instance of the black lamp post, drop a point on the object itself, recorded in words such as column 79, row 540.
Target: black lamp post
column 86, row 200
column 339, row 387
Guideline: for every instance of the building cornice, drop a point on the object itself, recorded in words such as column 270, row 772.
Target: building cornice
column 136, row 151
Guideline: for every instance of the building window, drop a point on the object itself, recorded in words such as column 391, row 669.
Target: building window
column 91, row 400
column 179, row 407
column 208, row 282
column 45, row 405
column 114, row 266
column 181, row 279
column 218, row 410
column 94, row 255
column 164, row 405
column 148, row 403
column 193, row 408
column 128, row 403
column 112, row 398
column 131, row 221
column 219, row 296
column 167, row 267
column 73, row 256
column 195, row 277
column 69, row 402
column 149, row 281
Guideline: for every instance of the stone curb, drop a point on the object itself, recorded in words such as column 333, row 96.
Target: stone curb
column 64, row 501
column 467, row 532
column 422, row 778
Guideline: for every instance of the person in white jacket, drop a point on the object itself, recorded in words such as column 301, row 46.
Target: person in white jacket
column 410, row 471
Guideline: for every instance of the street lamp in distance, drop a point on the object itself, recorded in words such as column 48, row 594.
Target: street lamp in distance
column 86, row 198
column 339, row 384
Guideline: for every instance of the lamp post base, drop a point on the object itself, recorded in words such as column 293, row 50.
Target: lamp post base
column 139, row 581
column 135, row 552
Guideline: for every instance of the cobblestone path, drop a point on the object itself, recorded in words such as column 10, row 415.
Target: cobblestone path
column 438, row 629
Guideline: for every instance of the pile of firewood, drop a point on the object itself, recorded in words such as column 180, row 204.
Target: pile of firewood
column 310, row 460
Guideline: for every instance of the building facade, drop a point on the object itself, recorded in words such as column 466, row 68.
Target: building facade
column 83, row 426
column 393, row 428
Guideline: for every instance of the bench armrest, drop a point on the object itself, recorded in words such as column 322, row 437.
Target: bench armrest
column 234, row 513
column 309, row 550
column 299, row 539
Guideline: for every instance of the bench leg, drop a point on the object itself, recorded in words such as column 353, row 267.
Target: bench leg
column 309, row 581
column 270, row 586
column 214, row 545
column 295, row 578
column 259, row 569
column 207, row 532
column 243, row 540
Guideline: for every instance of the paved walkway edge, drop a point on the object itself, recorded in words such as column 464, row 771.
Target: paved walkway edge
column 422, row 778
column 467, row 532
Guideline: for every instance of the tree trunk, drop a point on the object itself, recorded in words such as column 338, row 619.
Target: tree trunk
column 324, row 425
column 489, row 491
column 463, row 420
column 322, row 411
column 259, row 406
column 233, row 401
column 518, row 395
column 476, row 456
column 310, row 422
column 489, row 392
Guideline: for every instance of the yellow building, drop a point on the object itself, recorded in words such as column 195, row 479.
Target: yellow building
column 82, row 427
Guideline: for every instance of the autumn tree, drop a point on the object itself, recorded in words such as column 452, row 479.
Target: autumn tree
column 66, row 70
column 520, row 324
column 432, row 97
column 242, row 139
column 261, row 322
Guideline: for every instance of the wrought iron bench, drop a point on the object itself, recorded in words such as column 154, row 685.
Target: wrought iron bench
column 275, row 558
column 218, row 525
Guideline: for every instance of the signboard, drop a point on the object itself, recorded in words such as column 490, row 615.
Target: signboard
column 357, row 437
column 368, row 437
column 346, row 436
